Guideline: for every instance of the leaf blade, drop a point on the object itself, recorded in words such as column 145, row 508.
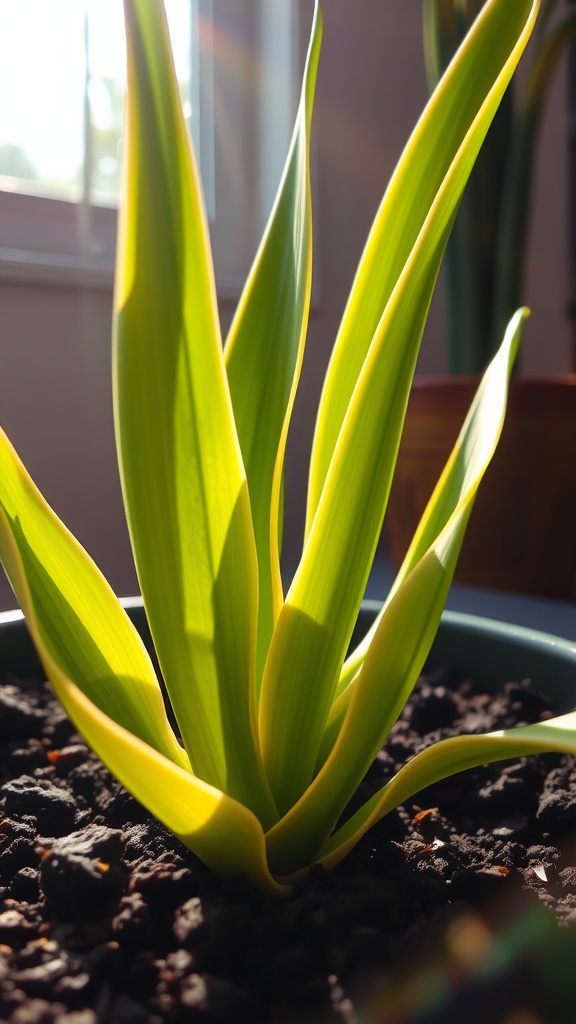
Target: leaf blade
column 372, row 373
column 222, row 832
column 442, row 504
column 404, row 630
column 72, row 614
column 444, row 759
column 498, row 36
column 265, row 346
column 517, row 184
column 183, row 480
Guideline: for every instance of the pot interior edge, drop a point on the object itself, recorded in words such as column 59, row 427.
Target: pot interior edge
column 489, row 651
column 494, row 653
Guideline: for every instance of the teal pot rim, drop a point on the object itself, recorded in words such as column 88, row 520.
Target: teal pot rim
column 488, row 651
column 493, row 653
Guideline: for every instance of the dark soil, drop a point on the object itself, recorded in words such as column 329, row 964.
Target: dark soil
column 459, row 907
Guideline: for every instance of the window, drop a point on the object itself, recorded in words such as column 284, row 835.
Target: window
column 62, row 80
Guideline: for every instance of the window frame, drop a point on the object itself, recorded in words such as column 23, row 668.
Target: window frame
column 56, row 241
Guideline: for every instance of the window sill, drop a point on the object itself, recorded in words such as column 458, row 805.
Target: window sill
column 26, row 267
column 22, row 266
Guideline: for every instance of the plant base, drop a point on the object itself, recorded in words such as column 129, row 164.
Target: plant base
column 445, row 912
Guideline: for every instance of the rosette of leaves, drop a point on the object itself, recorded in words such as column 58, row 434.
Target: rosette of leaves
column 276, row 721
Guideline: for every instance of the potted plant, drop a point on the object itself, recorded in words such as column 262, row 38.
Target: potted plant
column 484, row 272
column 279, row 710
column 432, row 914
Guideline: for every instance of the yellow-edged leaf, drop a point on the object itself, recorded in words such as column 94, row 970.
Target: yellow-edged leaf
column 443, row 502
column 265, row 347
column 75, row 620
column 183, row 479
column 444, row 759
column 365, row 712
column 456, row 117
column 318, row 616
column 223, row 833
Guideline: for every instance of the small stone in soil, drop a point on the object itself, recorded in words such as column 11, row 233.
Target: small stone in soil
column 53, row 808
column 79, row 888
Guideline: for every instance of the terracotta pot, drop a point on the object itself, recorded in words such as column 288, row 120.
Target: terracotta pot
column 522, row 531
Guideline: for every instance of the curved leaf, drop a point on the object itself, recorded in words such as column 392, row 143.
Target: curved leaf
column 444, row 500
column 218, row 829
column 75, row 619
column 451, row 128
column 516, row 188
column 265, row 347
column 183, row 480
column 442, row 760
column 364, row 714
column 318, row 616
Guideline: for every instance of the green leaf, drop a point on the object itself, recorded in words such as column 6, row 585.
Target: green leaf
column 448, row 135
column 442, row 504
column 72, row 614
column 183, row 481
column 218, row 829
column 265, row 347
column 316, row 621
column 365, row 712
column 468, row 460
column 446, row 758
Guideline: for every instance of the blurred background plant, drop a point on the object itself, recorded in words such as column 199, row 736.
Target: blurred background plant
column 484, row 262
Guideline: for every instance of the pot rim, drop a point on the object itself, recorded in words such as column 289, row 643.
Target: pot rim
column 490, row 651
column 455, row 621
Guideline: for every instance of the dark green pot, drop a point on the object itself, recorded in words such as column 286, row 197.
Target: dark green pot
column 488, row 651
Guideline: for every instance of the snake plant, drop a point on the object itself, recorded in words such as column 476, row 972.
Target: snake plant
column 277, row 721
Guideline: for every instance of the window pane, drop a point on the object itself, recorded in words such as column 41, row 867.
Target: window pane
column 42, row 85
column 106, row 75
column 62, row 83
column 105, row 97
column 62, row 75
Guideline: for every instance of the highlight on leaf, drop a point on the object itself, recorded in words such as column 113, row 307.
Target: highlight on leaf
column 276, row 720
